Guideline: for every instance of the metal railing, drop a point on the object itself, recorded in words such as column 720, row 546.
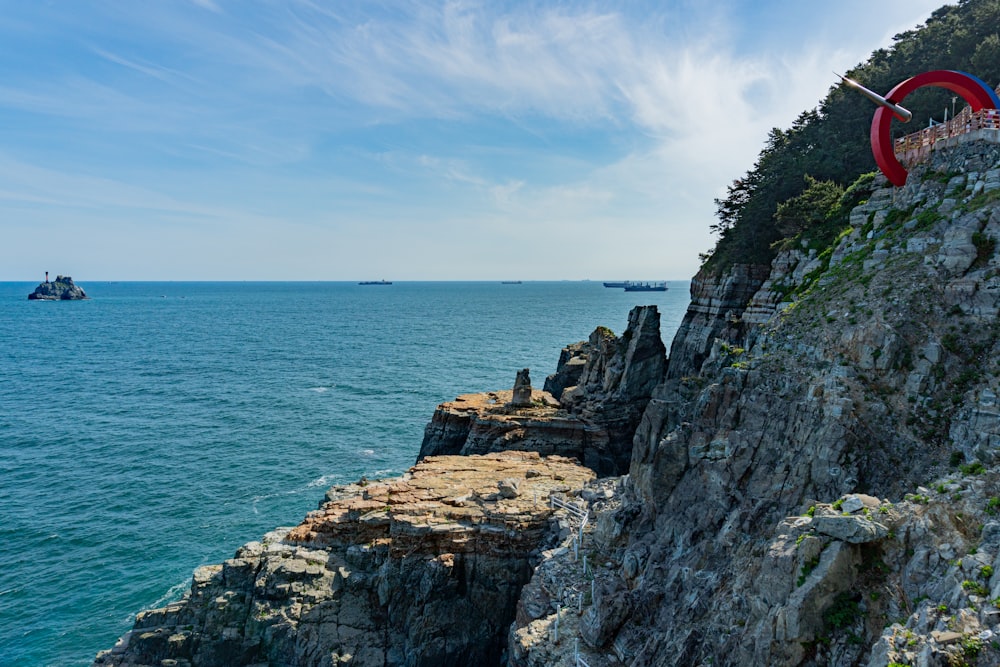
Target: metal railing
column 965, row 122
column 582, row 515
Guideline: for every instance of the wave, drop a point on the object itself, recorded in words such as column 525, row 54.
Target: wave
column 173, row 594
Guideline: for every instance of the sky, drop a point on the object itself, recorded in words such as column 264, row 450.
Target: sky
column 397, row 140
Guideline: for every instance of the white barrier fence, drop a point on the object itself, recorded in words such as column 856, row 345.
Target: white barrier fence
column 583, row 516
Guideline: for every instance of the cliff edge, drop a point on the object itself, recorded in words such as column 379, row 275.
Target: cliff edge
column 812, row 480
column 815, row 481
column 421, row 570
column 588, row 410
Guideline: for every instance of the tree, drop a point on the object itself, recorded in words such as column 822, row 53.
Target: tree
column 810, row 209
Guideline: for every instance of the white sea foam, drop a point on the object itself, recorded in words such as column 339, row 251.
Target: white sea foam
column 319, row 481
column 173, row 593
column 319, row 390
column 368, row 452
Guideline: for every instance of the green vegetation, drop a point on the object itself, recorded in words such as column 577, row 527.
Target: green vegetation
column 980, row 200
column 843, row 612
column 971, row 646
column 975, row 588
column 791, row 191
column 984, row 248
column 974, row 468
column 807, row 569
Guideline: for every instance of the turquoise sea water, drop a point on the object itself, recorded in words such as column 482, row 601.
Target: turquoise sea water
column 158, row 426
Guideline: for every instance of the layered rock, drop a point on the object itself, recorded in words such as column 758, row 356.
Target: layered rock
column 715, row 313
column 421, row 570
column 487, row 422
column 863, row 370
column 603, row 385
column 61, row 289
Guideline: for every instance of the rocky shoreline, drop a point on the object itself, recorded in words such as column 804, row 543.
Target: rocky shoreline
column 425, row 569
column 811, row 478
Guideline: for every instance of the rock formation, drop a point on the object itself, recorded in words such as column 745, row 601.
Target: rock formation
column 62, row 289
column 522, row 390
column 813, row 479
column 421, row 570
column 812, row 482
column 603, row 383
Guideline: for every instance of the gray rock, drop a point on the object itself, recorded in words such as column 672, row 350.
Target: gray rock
column 522, row 390
column 62, row 289
column 852, row 529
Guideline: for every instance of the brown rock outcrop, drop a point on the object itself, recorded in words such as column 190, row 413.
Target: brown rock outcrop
column 484, row 423
column 595, row 418
column 424, row 570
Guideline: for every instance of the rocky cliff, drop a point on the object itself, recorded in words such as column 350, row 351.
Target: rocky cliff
column 61, row 289
column 813, row 482
column 589, row 409
column 421, row 570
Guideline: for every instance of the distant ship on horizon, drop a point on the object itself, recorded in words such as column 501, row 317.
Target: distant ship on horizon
column 375, row 282
column 636, row 286
column 646, row 287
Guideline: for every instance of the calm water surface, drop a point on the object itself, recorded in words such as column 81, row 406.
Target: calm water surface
column 158, row 426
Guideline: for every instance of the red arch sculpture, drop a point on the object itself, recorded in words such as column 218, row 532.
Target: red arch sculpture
column 973, row 90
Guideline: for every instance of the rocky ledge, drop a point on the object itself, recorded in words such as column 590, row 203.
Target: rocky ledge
column 589, row 410
column 425, row 569
column 61, row 289
column 488, row 422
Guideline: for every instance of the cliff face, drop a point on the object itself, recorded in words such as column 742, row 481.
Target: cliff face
column 602, row 386
column 421, row 570
column 812, row 480
column 845, row 380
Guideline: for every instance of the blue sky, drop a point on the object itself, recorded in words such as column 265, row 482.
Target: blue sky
column 410, row 140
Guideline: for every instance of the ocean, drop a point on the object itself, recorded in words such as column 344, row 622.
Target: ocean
column 158, row 426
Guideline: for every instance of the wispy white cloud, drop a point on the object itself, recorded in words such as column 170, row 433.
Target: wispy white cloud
column 682, row 95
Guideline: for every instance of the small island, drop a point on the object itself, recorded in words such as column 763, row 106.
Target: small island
column 62, row 289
